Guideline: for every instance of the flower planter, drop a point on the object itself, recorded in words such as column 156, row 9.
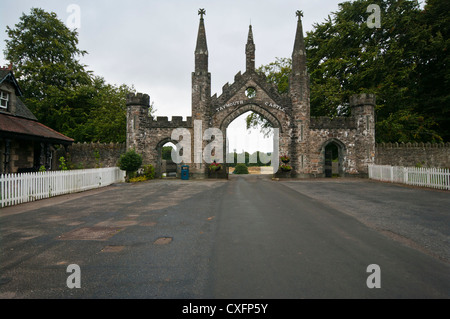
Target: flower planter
column 285, row 159
column 283, row 174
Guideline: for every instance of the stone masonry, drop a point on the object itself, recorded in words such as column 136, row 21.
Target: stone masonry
column 413, row 154
column 301, row 137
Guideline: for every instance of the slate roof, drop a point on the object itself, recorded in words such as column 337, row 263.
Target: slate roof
column 14, row 126
column 22, row 123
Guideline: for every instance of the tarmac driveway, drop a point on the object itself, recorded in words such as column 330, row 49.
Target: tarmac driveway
column 177, row 239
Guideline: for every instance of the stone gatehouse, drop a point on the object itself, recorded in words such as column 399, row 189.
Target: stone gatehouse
column 313, row 144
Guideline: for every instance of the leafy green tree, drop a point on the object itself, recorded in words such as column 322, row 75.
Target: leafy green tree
column 405, row 63
column 57, row 88
column 434, row 66
column 45, row 56
column 167, row 153
column 105, row 121
column 345, row 57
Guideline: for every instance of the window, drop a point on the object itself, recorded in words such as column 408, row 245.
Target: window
column 4, row 99
column 250, row 92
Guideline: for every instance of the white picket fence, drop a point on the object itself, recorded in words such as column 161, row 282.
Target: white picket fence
column 21, row 188
column 418, row 176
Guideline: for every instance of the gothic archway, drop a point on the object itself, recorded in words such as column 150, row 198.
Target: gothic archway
column 333, row 153
column 251, row 107
column 162, row 165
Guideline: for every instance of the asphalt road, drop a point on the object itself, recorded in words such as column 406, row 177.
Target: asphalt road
column 249, row 237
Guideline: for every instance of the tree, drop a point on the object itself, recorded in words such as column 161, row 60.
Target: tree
column 44, row 54
column 405, row 63
column 345, row 57
column 166, row 153
column 57, row 88
column 434, row 66
column 105, row 121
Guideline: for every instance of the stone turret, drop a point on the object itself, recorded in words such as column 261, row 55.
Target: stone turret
column 137, row 118
column 363, row 113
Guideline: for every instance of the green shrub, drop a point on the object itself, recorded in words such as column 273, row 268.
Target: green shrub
column 240, row 169
column 62, row 165
column 130, row 162
column 149, row 171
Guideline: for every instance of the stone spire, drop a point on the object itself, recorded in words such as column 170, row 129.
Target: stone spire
column 250, row 51
column 299, row 93
column 299, row 53
column 201, row 50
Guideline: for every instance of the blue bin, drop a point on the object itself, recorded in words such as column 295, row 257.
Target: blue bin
column 185, row 172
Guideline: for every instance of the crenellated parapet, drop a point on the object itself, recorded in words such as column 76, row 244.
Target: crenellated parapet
column 176, row 122
column 138, row 99
column 362, row 99
column 427, row 145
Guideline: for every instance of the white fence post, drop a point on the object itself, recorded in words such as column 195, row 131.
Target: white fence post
column 21, row 188
column 418, row 176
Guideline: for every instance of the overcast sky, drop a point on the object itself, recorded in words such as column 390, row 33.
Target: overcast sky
column 150, row 43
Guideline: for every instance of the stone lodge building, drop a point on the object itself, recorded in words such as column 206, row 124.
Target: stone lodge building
column 25, row 144
column 313, row 144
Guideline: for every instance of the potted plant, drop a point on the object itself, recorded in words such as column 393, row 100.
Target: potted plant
column 285, row 159
column 285, row 168
column 214, row 167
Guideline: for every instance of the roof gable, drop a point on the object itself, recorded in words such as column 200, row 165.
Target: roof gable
column 7, row 75
column 242, row 82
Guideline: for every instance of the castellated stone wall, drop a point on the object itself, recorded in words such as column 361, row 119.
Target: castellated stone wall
column 318, row 140
column 413, row 154
column 91, row 155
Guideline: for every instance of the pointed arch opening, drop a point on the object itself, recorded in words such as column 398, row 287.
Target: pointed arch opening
column 165, row 167
column 250, row 146
column 333, row 154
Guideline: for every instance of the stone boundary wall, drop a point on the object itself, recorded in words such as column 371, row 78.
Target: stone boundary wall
column 83, row 155
column 413, row 154
column 91, row 155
